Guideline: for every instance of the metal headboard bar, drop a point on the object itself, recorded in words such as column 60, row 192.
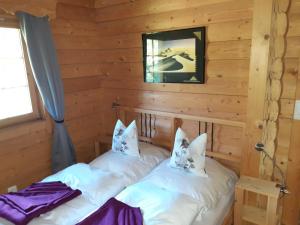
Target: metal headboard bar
column 141, row 124
column 212, row 138
column 150, row 126
column 146, row 130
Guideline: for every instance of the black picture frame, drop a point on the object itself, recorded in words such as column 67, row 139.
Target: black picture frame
column 176, row 56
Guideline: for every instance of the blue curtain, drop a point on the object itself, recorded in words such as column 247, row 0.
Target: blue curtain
column 42, row 55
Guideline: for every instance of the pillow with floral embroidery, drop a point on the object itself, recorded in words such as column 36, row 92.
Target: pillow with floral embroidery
column 125, row 139
column 189, row 156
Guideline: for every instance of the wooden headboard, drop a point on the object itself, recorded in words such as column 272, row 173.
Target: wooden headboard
column 149, row 132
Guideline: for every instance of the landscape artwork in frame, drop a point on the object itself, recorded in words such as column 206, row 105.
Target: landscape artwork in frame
column 176, row 56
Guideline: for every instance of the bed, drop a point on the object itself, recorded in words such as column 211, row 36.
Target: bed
column 115, row 175
column 227, row 160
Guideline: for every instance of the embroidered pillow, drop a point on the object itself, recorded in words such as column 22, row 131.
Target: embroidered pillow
column 189, row 156
column 125, row 140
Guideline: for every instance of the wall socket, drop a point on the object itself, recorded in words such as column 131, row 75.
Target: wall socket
column 12, row 188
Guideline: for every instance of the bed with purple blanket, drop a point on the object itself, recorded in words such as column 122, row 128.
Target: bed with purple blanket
column 96, row 182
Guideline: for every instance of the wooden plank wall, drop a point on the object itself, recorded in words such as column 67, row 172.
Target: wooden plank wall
column 229, row 24
column 37, row 8
column 229, row 28
column 100, row 54
column 74, row 30
column 25, row 149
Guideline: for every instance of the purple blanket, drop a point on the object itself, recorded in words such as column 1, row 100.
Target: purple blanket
column 114, row 212
column 21, row 207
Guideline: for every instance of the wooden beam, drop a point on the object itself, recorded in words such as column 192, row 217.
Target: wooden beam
column 259, row 68
column 185, row 116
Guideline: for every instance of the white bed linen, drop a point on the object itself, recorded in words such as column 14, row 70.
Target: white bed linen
column 160, row 206
column 69, row 213
column 207, row 190
column 167, row 193
column 74, row 209
column 98, row 183
column 130, row 167
column 217, row 215
column 97, row 187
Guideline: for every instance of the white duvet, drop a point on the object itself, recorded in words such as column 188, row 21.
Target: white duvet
column 97, row 187
column 160, row 206
column 104, row 178
column 208, row 190
column 172, row 196
column 131, row 168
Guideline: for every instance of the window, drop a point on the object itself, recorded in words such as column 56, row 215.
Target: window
column 18, row 95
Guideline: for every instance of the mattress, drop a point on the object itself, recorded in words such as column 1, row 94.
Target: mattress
column 217, row 215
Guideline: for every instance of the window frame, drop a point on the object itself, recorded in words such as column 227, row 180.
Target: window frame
column 10, row 21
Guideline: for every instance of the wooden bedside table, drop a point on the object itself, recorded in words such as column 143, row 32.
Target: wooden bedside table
column 252, row 214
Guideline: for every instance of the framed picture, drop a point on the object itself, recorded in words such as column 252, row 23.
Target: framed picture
column 176, row 56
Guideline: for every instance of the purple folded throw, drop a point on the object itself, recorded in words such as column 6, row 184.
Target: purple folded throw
column 114, row 212
column 22, row 206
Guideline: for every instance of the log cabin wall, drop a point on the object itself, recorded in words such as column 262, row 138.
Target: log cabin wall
column 229, row 29
column 100, row 55
column 25, row 149
column 224, row 94
column 37, row 8
column 75, row 33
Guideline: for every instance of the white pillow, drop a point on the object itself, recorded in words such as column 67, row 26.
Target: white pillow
column 130, row 167
column 125, row 140
column 160, row 206
column 189, row 156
